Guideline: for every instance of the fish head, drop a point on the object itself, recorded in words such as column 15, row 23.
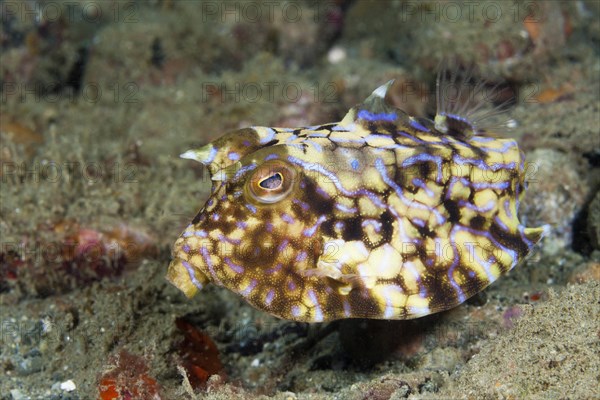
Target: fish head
column 258, row 234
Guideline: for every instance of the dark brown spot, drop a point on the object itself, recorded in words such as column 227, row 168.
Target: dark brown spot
column 477, row 222
column 453, row 210
column 352, row 229
column 508, row 239
column 387, row 229
column 442, row 294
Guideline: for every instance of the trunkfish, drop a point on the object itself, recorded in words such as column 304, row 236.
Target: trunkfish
column 381, row 215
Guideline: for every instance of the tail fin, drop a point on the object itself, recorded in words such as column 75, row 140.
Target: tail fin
column 536, row 234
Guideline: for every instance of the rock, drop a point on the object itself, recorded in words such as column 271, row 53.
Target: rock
column 586, row 273
column 593, row 221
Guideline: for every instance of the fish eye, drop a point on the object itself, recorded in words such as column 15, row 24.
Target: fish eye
column 271, row 182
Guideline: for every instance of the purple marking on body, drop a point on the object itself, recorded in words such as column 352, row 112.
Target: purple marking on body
column 246, row 143
column 224, row 238
column 467, row 204
column 302, row 204
column 424, row 157
column 269, row 297
column 487, row 265
column 453, row 181
column 411, row 137
column 215, row 217
column 235, row 267
column 358, row 140
column 512, row 253
column 368, row 116
column 287, row 218
column 496, row 185
column 251, row 208
column 301, row 256
column 482, row 139
column 457, row 117
column 295, row 311
column 507, row 208
column 479, row 163
column 210, row 202
column 241, row 224
column 346, row 306
column 209, row 264
column 343, row 208
column 471, row 274
column 528, row 242
column 456, row 286
column 291, row 285
column 372, row 222
column 372, row 196
column 297, row 146
column 190, row 271
column 270, row 136
column 420, row 184
column 322, row 192
column 211, row 155
column 233, row 156
column 316, row 145
column 271, row 156
column 283, row 245
column 248, row 289
column 308, row 232
column 417, row 125
column 243, row 170
column 269, row 227
column 380, row 166
column 505, row 147
column 201, row 233
column 187, row 234
column 378, row 136
column 318, row 311
column 419, row 222
column 339, row 225
column 274, row 269
column 354, row 164
column 186, row 248
column 501, row 224
column 339, row 128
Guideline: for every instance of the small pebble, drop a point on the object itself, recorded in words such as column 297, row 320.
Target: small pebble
column 68, row 386
column 336, row 55
column 17, row 395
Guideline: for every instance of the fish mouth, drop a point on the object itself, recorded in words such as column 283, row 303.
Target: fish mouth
column 185, row 277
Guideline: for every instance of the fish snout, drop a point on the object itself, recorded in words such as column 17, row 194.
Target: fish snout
column 185, row 277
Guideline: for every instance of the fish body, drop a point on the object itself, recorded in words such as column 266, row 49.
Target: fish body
column 380, row 215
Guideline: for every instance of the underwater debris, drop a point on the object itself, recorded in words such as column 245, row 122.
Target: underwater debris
column 73, row 254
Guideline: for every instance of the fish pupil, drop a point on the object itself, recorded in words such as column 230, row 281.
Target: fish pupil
column 272, row 182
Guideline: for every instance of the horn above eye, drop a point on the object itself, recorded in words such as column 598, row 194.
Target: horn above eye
column 271, row 182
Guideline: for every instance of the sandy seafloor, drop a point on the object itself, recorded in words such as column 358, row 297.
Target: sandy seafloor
column 100, row 97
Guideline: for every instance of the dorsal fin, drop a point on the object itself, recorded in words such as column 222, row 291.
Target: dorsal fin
column 464, row 104
column 373, row 109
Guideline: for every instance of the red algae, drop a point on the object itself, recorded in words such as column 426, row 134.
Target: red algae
column 128, row 379
column 199, row 354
